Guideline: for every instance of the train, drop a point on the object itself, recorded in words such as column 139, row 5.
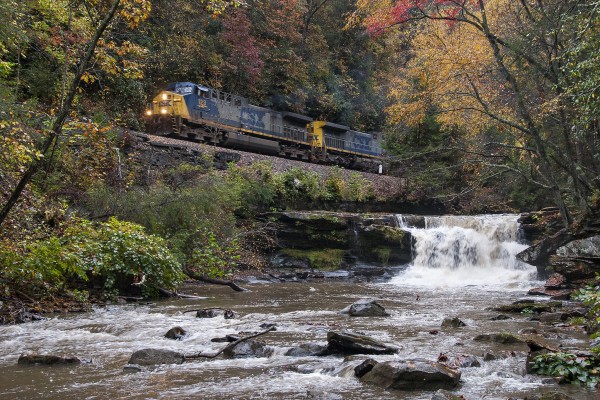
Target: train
column 200, row 113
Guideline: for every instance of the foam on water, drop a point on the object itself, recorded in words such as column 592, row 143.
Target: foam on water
column 454, row 251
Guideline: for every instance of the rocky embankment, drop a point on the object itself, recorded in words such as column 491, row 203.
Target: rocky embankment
column 570, row 258
column 331, row 241
column 162, row 152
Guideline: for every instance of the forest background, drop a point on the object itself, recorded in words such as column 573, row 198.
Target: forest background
column 485, row 105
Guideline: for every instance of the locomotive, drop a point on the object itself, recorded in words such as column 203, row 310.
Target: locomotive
column 201, row 113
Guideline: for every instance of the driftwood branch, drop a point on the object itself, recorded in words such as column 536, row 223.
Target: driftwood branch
column 229, row 346
column 169, row 293
column 206, row 279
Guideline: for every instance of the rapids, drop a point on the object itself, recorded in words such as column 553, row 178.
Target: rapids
column 462, row 266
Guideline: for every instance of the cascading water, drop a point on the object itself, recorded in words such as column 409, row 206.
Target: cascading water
column 466, row 250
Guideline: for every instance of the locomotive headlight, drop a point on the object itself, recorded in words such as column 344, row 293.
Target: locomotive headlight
column 164, row 96
column 149, row 113
column 163, row 111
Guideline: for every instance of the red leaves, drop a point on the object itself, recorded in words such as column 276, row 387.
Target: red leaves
column 245, row 54
column 403, row 11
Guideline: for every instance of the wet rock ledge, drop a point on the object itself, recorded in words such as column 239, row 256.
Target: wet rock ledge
column 329, row 240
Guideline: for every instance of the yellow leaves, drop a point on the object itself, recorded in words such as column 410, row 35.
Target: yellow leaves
column 135, row 11
column 453, row 71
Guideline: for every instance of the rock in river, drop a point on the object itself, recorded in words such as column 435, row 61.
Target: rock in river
column 247, row 349
column 411, row 375
column 176, row 333
column 505, row 338
column 366, row 308
column 452, row 323
column 306, row 349
column 155, row 357
column 46, row 359
column 352, row 343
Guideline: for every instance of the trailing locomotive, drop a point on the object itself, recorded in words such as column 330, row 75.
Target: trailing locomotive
column 201, row 113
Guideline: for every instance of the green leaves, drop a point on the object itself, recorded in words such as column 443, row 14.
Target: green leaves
column 590, row 296
column 578, row 370
column 114, row 254
column 215, row 258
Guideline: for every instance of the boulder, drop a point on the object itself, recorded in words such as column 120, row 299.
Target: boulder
column 488, row 356
column 504, row 338
column 412, row 375
column 209, row 313
column 46, row 359
column 453, row 322
column 248, row 349
column 555, row 294
column 538, row 344
column 352, row 343
column 364, row 368
column 366, row 308
column 156, row 357
column 556, row 281
column 306, row 350
column 176, row 333
column 553, row 318
column 500, row 317
column 573, row 268
column 522, row 306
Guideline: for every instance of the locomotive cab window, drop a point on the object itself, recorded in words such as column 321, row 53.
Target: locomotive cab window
column 214, row 94
column 228, row 98
column 221, row 96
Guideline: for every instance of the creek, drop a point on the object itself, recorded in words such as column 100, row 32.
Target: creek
column 462, row 266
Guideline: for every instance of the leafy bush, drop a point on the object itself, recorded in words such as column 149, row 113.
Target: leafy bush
column 569, row 367
column 118, row 253
column 215, row 258
column 113, row 255
column 590, row 296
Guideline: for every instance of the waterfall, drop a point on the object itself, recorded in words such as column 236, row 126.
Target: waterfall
column 465, row 250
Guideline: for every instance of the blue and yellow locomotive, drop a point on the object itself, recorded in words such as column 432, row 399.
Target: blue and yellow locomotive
column 209, row 115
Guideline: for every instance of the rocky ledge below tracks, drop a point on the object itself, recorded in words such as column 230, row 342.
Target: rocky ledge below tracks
column 386, row 188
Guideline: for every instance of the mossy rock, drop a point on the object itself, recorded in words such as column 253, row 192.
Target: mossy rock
column 504, row 338
column 322, row 259
column 317, row 220
column 526, row 307
column 384, row 244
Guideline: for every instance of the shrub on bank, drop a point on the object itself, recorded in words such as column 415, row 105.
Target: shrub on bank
column 115, row 256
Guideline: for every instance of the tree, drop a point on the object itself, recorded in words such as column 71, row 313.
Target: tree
column 505, row 68
column 100, row 14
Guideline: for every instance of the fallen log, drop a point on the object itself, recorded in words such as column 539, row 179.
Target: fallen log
column 206, row 279
column 229, row 346
column 170, row 293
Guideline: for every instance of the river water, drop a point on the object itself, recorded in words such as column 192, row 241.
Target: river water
column 462, row 267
